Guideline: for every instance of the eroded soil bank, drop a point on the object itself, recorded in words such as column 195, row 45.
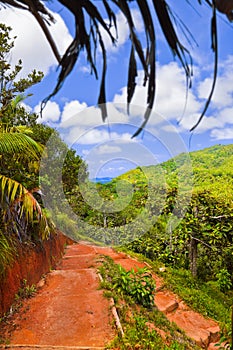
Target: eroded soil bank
column 31, row 262
column 68, row 310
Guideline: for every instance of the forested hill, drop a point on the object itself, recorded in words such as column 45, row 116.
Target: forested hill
column 211, row 168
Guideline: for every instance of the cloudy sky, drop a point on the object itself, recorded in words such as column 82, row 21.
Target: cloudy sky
column 108, row 148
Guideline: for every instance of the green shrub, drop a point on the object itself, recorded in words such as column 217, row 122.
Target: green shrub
column 26, row 291
column 224, row 280
column 138, row 285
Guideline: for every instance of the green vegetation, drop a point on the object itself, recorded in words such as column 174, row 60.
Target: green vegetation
column 23, row 217
column 203, row 296
column 197, row 251
column 139, row 285
column 26, row 291
column 177, row 214
column 143, row 325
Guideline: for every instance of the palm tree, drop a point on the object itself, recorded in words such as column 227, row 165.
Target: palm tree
column 18, row 206
column 89, row 24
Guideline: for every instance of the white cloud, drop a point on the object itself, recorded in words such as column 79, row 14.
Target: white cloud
column 226, row 115
column 31, row 45
column 79, row 135
column 170, row 100
column 51, row 112
column 77, row 114
column 206, row 124
column 71, row 109
column 223, row 95
column 223, row 92
column 122, row 29
column 103, row 149
column 222, row 134
column 170, row 94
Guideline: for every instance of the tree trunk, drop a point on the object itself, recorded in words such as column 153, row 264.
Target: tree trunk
column 105, row 220
column 193, row 257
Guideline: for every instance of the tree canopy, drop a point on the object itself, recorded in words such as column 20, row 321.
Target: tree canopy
column 90, row 22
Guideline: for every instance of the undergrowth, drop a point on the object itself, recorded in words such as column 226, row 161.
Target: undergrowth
column 26, row 291
column 7, row 324
column 145, row 327
column 203, row 297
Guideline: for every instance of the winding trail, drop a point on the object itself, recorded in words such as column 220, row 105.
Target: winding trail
column 70, row 312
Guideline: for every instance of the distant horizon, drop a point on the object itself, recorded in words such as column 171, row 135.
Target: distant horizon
column 106, row 179
column 101, row 179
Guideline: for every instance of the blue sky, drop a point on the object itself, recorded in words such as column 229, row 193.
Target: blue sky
column 108, row 148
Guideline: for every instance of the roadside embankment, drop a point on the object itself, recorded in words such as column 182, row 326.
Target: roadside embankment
column 31, row 262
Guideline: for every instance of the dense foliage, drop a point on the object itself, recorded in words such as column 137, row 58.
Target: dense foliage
column 23, row 217
column 174, row 216
column 202, row 238
column 142, row 323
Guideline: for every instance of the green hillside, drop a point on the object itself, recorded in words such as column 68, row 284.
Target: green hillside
column 197, row 252
column 210, row 169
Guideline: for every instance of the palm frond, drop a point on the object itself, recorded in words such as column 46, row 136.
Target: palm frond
column 150, row 60
column 87, row 33
column 226, row 7
column 18, row 204
column 214, row 38
column 88, row 22
column 42, row 16
column 10, row 189
column 19, row 143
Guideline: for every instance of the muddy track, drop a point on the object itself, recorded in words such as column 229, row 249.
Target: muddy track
column 70, row 312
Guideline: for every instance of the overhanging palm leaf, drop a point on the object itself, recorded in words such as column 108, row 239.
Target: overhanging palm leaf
column 19, row 143
column 88, row 24
column 19, row 206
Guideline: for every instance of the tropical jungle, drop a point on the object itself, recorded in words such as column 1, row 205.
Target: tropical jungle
column 179, row 214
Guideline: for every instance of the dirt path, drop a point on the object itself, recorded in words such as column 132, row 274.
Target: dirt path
column 70, row 312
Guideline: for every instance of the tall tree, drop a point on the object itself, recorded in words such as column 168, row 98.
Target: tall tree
column 19, row 152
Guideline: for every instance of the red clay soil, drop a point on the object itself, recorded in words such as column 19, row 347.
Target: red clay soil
column 70, row 310
column 32, row 261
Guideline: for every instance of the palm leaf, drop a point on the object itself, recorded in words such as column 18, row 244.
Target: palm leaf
column 42, row 16
column 88, row 21
column 151, row 62
column 9, row 189
column 214, row 37
column 102, row 93
column 20, row 144
column 132, row 74
column 18, row 203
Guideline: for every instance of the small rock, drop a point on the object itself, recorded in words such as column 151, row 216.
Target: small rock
column 171, row 307
column 201, row 337
column 214, row 334
column 165, row 302
column 41, row 283
column 162, row 269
